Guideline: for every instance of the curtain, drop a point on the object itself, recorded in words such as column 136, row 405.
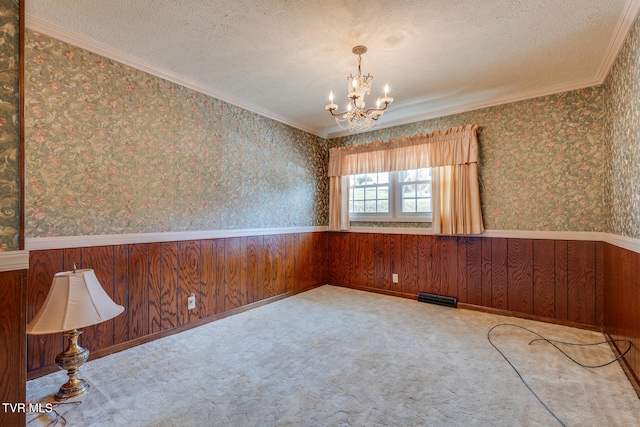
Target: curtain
column 453, row 155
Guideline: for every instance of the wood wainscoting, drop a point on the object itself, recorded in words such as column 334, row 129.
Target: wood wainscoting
column 153, row 281
column 13, row 373
column 622, row 306
column 558, row 281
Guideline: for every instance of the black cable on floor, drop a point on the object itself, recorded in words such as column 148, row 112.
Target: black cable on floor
column 553, row 343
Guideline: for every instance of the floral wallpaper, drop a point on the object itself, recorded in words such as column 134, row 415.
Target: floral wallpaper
column 622, row 107
column 541, row 160
column 111, row 149
column 9, row 126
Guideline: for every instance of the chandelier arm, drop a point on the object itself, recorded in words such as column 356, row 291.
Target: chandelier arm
column 337, row 114
column 386, row 104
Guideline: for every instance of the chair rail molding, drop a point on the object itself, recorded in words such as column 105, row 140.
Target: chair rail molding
column 14, row 260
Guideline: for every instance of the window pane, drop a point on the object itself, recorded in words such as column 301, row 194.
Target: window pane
column 360, row 179
column 424, row 190
column 424, row 205
column 408, row 191
column 358, row 194
column 370, row 193
column 408, row 176
column 383, row 206
column 372, row 178
column 358, row 206
column 370, row 206
column 424, row 174
column 409, row 205
column 383, row 178
column 383, row 193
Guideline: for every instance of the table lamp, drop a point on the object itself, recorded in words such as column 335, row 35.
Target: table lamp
column 76, row 300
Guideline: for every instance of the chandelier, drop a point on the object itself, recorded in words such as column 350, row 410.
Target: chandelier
column 356, row 117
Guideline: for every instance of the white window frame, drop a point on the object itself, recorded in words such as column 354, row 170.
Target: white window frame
column 395, row 213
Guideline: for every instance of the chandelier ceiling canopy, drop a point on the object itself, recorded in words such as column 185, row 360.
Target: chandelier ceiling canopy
column 356, row 117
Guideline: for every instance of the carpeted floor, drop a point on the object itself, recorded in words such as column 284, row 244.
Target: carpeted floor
column 339, row 357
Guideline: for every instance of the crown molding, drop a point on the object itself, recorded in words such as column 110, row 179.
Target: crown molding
column 465, row 108
column 44, row 27
column 63, row 242
column 627, row 19
column 14, row 260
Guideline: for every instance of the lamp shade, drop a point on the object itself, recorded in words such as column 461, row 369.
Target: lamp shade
column 76, row 300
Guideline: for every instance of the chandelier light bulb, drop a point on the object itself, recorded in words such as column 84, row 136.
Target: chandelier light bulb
column 349, row 107
column 378, row 103
column 331, row 96
column 386, row 90
column 354, row 83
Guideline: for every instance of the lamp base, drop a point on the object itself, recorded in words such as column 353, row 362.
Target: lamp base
column 71, row 359
column 67, row 391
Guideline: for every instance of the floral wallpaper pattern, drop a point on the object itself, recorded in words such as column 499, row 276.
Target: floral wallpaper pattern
column 622, row 107
column 111, row 149
column 541, row 160
column 9, row 126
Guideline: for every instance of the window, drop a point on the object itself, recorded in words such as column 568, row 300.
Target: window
column 391, row 196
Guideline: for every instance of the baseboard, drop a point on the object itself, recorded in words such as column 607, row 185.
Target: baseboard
column 489, row 310
column 519, row 315
column 626, row 368
column 378, row 291
column 45, row 370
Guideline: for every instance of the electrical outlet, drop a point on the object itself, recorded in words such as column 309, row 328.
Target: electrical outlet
column 394, row 277
column 191, row 302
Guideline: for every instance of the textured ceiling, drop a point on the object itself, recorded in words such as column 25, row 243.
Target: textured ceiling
column 280, row 58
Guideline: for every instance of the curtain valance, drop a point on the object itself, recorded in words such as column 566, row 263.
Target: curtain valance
column 455, row 146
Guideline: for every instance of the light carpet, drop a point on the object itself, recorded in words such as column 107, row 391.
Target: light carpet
column 340, row 357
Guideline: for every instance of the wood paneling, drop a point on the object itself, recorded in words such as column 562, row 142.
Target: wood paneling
column 561, row 279
column 520, row 275
column 100, row 258
column 189, row 277
column 235, row 279
column 499, row 276
column 461, row 273
column 153, row 280
column 425, row 264
column 581, row 284
column 382, row 268
column 486, row 272
column 474, row 270
column 292, row 243
column 43, row 349
column 555, row 280
column 13, row 373
column 544, row 278
column 622, row 305
column 364, row 265
column 120, row 291
column 138, row 290
column 408, row 277
column 254, row 281
column 169, row 285
column 155, row 287
column 395, row 259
